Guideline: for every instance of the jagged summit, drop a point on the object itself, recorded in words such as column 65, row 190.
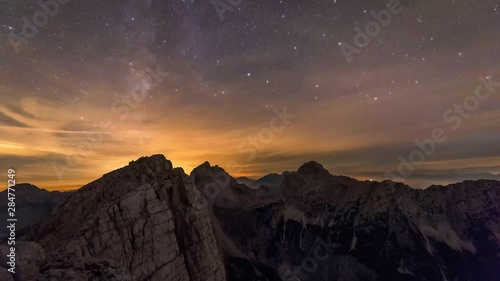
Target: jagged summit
column 156, row 163
column 154, row 156
column 203, row 168
column 155, row 159
column 311, row 168
column 207, row 170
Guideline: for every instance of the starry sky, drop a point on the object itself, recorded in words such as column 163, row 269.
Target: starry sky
column 217, row 79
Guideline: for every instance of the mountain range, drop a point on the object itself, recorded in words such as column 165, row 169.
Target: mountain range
column 151, row 221
column 269, row 180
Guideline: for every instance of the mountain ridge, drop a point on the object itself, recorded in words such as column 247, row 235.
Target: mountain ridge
column 151, row 221
column 139, row 220
column 313, row 203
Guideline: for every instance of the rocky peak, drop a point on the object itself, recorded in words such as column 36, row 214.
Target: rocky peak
column 140, row 218
column 206, row 169
column 158, row 162
column 312, row 168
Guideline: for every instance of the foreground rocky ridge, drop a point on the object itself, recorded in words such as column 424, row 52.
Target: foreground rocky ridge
column 128, row 225
column 149, row 221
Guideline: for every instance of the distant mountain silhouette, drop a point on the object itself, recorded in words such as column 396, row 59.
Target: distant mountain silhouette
column 424, row 179
column 244, row 180
column 270, row 180
column 32, row 204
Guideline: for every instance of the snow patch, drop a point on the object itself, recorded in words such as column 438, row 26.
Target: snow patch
column 290, row 213
column 302, row 236
column 405, row 271
column 284, row 229
column 444, row 233
column 444, row 276
column 354, row 241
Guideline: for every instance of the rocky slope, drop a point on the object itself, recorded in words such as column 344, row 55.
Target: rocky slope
column 140, row 222
column 317, row 226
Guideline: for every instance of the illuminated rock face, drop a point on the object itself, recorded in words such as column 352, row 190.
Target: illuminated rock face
column 317, row 226
column 135, row 223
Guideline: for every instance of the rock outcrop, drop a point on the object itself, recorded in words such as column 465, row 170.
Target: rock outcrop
column 136, row 223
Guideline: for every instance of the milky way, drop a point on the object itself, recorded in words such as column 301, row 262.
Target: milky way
column 100, row 83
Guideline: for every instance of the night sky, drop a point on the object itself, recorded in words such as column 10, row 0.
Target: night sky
column 214, row 87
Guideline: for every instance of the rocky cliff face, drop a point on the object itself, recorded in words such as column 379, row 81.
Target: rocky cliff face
column 317, row 226
column 135, row 223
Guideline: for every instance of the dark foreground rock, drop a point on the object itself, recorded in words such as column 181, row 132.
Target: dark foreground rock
column 135, row 223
